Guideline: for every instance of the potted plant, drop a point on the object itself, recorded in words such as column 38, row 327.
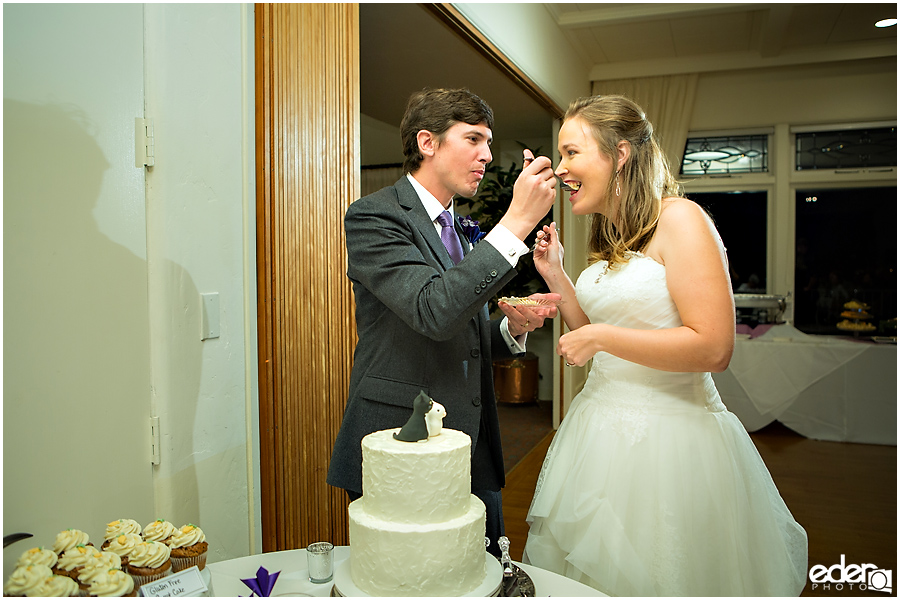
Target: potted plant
column 488, row 207
column 515, row 380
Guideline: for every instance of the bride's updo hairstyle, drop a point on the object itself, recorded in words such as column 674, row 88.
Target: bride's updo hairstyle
column 644, row 179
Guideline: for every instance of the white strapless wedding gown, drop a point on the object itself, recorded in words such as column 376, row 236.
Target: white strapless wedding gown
column 650, row 486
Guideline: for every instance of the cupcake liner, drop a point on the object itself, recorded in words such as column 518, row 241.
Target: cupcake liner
column 140, row 580
column 180, row 563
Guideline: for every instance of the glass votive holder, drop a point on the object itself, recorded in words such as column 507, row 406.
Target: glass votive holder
column 320, row 559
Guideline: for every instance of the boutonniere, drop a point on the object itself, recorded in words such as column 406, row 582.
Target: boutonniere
column 471, row 229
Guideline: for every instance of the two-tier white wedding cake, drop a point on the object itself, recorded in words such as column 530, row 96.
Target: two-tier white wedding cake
column 417, row 530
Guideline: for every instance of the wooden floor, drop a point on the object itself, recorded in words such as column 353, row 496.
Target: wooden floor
column 844, row 495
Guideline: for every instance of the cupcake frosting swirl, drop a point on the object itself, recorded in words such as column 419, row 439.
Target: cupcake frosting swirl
column 26, row 579
column 38, row 556
column 57, row 586
column 112, row 583
column 158, row 531
column 68, row 539
column 187, row 536
column 75, row 557
column 98, row 565
column 120, row 526
column 149, row 554
column 124, row 543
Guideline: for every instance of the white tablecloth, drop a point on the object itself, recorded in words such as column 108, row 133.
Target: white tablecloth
column 226, row 576
column 822, row 387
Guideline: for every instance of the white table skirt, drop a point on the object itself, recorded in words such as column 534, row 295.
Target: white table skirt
column 822, row 387
column 226, row 576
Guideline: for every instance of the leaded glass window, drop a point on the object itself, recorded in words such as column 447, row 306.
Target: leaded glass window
column 726, row 155
column 847, row 149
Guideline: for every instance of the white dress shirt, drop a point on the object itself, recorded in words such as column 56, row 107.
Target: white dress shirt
column 499, row 237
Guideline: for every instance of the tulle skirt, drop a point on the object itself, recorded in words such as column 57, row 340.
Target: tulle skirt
column 646, row 498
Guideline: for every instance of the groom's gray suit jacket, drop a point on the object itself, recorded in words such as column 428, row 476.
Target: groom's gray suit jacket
column 423, row 324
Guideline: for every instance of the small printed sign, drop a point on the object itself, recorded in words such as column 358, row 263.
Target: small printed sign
column 183, row 583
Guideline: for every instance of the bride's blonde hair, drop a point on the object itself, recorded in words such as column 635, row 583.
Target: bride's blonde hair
column 644, row 179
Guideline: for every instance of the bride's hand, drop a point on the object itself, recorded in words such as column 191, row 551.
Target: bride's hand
column 548, row 252
column 580, row 345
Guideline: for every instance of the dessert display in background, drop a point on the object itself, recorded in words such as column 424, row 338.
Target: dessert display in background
column 856, row 318
column 127, row 559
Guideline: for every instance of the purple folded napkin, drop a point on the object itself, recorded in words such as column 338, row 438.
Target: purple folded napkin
column 263, row 583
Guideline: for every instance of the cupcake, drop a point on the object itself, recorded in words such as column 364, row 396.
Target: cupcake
column 123, row 544
column 188, row 548
column 113, row 583
column 159, row 530
column 57, row 586
column 99, row 564
column 68, row 539
column 148, row 562
column 117, row 528
column 73, row 560
column 25, row 581
column 38, row 556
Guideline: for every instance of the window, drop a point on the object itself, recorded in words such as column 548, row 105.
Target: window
column 741, row 219
column 722, row 155
column 846, row 248
column 847, row 149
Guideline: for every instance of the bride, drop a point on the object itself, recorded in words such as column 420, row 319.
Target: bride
column 651, row 487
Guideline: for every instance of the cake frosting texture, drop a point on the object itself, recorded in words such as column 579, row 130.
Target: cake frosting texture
column 417, row 530
column 416, row 482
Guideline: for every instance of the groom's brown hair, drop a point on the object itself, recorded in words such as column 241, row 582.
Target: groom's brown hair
column 437, row 110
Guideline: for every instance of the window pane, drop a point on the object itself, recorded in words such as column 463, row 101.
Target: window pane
column 858, row 148
column 725, row 154
column 740, row 218
column 846, row 249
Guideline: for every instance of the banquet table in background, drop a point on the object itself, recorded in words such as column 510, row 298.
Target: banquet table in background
column 293, row 576
column 822, row 387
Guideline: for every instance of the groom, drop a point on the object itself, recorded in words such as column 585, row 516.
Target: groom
column 421, row 291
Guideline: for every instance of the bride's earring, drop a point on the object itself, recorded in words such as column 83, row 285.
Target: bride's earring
column 618, row 189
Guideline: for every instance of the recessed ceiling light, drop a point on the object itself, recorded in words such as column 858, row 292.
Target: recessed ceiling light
column 886, row 23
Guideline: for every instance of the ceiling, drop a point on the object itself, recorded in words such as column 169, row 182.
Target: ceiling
column 404, row 48
column 622, row 40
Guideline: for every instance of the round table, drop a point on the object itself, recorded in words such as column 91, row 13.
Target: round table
column 226, row 576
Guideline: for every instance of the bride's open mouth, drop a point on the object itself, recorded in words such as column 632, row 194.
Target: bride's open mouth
column 568, row 186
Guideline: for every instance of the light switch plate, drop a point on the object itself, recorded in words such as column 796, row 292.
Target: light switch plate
column 209, row 316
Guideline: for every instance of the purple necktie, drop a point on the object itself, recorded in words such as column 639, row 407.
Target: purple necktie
column 449, row 237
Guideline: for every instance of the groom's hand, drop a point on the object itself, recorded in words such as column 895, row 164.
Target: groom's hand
column 522, row 319
column 533, row 196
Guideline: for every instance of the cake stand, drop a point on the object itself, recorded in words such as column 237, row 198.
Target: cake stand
column 490, row 586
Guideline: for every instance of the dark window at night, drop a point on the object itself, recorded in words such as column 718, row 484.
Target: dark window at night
column 847, row 149
column 740, row 218
column 846, row 250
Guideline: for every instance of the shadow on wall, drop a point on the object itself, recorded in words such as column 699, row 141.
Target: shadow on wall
column 76, row 335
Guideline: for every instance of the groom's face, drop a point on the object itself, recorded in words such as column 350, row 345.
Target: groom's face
column 461, row 156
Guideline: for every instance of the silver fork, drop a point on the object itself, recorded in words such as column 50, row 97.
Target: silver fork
column 565, row 186
column 534, row 247
column 562, row 184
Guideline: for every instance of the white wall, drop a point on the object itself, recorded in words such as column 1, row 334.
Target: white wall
column 76, row 368
column 847, row 92
column 529, row 36
column 380, row 142
column 102, row 275
column 200, row 222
